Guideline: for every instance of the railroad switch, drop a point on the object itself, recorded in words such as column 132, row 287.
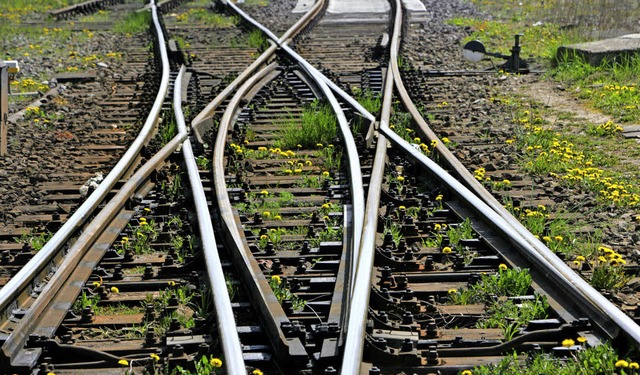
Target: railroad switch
column 475, row 51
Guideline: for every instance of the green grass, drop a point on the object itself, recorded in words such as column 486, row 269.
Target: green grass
column 133, row 23
column 590, row 361
column 316, row 127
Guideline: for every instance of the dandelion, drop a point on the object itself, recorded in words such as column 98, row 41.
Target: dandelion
column 123, row 362
column 439, row 197
column 402, row 208
column 416, row 140
column 95, row 284
column 446, row 140
column 216, row 362
column 400, row 179
column 580, row 258
column 581, row 339
column 437, row 227
column 622, row 363
column 446, row 250
column 325, row 174
column 452, row 291
column 288, row 171
column 308, row 163
column 319, row 145
column 276, row 279
column 434, row 143
column 634, row 365
column 567, row 343
column 266, row 214
column 466, row 372
column 256, row 372
column 154, row 356
column 297, row 170
column 115, row 290
column 171, row 283
column 264, row 193
column 277, row 217
column 502, row 267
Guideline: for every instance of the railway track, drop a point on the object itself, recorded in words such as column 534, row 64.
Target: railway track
column 243, row 240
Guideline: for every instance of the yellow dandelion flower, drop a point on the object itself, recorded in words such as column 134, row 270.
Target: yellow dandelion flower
column 568, row 343
column 276, row 279
column 264, row 193
column 171, row 283
column 256, row 372
column 634, row 365
column 580, row 258
column 325, row 174
column 400, row 179
column 452, row 291
column 115, row 290
column 466, row 372
column 154, row 356
column 95, row 284
column 266, row 214
column 502, row 267
column 277, row 217
column 123, row 362
column 622, row 363
column 446, row 250
column 439, row 197
column 216, row 362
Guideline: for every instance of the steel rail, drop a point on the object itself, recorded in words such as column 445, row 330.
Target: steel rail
column 27, row 273
column 234, row 361
column 355, row 171
column 256, row 283
column 283, row 44
column 47, row 306
column 602, row 311
column 208, row 111
column 357, row 320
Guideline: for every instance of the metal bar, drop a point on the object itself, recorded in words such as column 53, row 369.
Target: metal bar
column 23, row 278
column 362, row 287
column 234, row 362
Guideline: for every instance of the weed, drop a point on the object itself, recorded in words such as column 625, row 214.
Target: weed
column 283, row 293
column 595, row 360
column 133, row 23
column 316, row 125
column 35, row 241
column 203, row 162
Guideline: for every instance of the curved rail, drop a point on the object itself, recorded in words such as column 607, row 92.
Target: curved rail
column 362, row 287
column 602, row 311
column 228, row 331
column 326, row 86
column 22, row 279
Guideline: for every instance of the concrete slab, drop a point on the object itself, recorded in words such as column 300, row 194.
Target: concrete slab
column 595, row 53
column 358, row 6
